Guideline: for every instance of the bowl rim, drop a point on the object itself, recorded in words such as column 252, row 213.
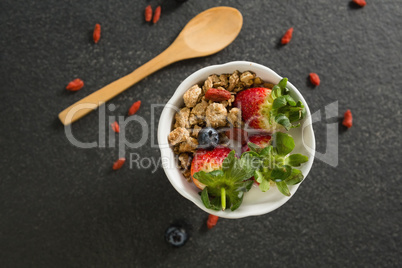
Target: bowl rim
column 167, row 153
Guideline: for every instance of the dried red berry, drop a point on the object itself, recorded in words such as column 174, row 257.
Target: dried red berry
column 97, row 33
column 215, row 94
column 287, row 36
column 119, row 163
column 237, row 134
column 348, row 119
column 361, row 3
column 148, row 13
column 157, row 14
column 212, row 220
column 314, row 79
column 75, row 85
column 134, row 108
column 115, row 127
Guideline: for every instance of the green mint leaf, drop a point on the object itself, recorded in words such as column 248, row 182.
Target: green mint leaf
column 303, row 112
column 279, row 102
column 251, row 153
column 216, row 203
column 208, row 178
column 276, row 92
column 296, row 160
column 299, row 104
column 254, row 147
column 268, row 163
column 296, row 126
column 280, row 173
column 245, row 186
column 283, row 188
column 283, row 143
column 229, row 162
column 264, row 185
column 206, row 200
column 281, row 119
column 282, row 84
column 237, row 199
column 239, row 169
column 248, row 164
column 295, row 114
column 295, row 177
column 258, row 176
column 290, row 100
column 267, row 151
column 284, row 110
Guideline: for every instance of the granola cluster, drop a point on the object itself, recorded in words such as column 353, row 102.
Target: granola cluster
column 200, row 112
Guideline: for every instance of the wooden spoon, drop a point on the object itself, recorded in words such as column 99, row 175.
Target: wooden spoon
column 206, row 34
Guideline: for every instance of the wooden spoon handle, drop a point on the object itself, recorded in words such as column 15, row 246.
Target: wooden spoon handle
column 91, row 102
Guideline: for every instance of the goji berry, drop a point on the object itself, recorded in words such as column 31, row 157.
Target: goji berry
column 75, row 85
column 157, row 14
column 287, row 36
column 97, row 33
column 115, row 127
column 119, row 163
column 148, row 13
column 361, row 3
column 215, row 94
column 314, row 79
column 212, row 220
column 134, row 108
column 237, row 134
column 348, row 119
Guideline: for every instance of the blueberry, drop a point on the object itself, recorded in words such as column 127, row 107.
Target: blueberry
column 208, row 138
column 176, row 235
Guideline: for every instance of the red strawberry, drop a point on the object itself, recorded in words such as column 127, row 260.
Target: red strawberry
column 261, row 140
column 252, row 103
column 237, row 134
column 208, row 161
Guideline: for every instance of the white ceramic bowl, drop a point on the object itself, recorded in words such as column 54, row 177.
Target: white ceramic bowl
column 255, row 202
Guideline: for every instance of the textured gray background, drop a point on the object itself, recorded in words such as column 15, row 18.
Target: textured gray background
column 62, row 206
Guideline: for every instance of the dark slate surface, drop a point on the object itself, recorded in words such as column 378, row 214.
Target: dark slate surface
column 62, row 206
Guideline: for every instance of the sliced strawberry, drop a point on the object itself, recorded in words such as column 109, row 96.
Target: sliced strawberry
column 272, row 110
column 237, row 134
column 261, row 140
column 222, row 176
column 216, row 94
column 252, row 102
column 208, row 161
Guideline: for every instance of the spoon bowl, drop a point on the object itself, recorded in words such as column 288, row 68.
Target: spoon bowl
column 210, row 31
column 206, row 34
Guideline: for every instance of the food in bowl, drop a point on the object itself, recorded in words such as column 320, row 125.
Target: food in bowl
column 237, row 101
